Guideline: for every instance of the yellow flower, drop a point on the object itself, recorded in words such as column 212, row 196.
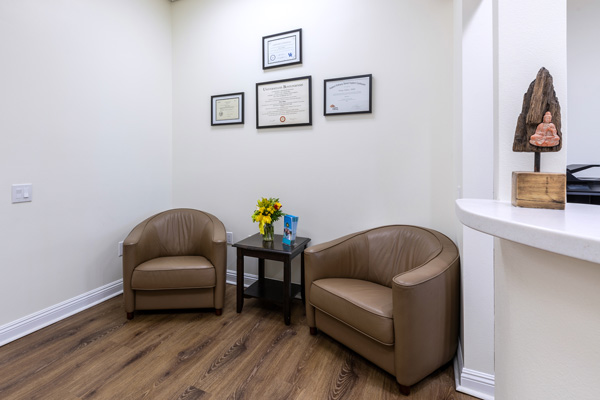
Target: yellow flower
column 268, row 211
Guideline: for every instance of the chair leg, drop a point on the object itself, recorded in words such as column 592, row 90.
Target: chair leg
column 218, row 311
column 404, row 390
column 130, row 315
column 313, row 330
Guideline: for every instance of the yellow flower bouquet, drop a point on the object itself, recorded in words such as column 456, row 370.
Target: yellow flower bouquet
column 267, row 212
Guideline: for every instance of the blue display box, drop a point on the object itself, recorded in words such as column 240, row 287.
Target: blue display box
column 290, row 227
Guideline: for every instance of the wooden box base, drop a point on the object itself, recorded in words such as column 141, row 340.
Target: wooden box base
column 539, row 190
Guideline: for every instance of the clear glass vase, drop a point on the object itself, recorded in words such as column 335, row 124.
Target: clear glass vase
column 268, row 230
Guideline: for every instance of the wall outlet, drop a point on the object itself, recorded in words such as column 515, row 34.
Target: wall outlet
column 22, row 192
column 120, row 249
column 229, row 237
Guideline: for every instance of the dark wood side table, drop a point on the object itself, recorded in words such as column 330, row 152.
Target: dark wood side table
column 270, row 289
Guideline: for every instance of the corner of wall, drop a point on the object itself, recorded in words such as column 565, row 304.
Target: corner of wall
column 473, row 383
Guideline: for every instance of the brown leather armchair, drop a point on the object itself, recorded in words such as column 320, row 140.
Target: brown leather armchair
column 175, row 259
column 391, row 294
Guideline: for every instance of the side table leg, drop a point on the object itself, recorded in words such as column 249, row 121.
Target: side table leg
column 302, row 281
column 240, row 280
column 261, row 269
column 287, row 290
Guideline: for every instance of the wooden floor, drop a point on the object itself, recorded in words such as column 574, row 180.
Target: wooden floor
column 98, row 354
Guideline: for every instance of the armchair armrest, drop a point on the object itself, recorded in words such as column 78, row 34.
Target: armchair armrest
column 135, row 252
column 345, row 257
column 216, row 253
column 426, row 308
column 215, row 245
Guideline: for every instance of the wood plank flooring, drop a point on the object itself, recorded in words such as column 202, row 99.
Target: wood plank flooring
column 98, row 354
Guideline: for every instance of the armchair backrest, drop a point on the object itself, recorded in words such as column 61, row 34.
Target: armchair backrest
column 179, row 232
column 397, row 249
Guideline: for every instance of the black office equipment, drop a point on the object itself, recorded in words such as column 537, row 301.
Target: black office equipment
column 585, row 190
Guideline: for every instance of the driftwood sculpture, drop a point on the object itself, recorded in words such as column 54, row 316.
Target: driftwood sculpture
column 539, row 99
column 538, row 131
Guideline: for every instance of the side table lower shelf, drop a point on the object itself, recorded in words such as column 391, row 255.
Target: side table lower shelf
column 271, row 290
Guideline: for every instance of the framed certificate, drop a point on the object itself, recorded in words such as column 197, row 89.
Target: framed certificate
column 349, row 95
column 227, row 109
column 282, row 49
column 284, row 103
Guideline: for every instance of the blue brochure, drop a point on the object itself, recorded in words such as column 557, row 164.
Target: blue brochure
column 290, row 227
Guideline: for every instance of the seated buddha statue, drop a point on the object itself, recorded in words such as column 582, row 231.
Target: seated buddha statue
column 545, row 134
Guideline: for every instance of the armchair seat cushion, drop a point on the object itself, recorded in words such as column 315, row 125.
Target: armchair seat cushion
column 177, row 272
column 362, row 305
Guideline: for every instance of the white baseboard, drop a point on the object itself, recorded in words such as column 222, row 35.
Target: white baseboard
column 36, row 321
column 249, row 279
column 472, row 382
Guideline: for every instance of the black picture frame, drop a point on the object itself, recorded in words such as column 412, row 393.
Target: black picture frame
column 348, row 95
column 227, row 109
column 282, row 49
column 284, row 103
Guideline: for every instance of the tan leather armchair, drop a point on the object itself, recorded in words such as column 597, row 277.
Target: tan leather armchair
column 175, row 259
column 391, row 294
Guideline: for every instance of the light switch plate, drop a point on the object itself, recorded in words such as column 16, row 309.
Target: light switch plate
column 229, row 237
column 22, row 192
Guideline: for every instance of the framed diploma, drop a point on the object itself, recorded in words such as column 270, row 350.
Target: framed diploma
column 282, row 49
column 227, row 109
column 284, row 103
column 349, row 95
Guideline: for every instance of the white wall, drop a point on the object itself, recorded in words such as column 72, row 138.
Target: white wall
column 86, row 118
column 477, row 182
column 525, row 44
column 584, row 83
column 344, row 173
column 474, row 90
column 547, row 325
